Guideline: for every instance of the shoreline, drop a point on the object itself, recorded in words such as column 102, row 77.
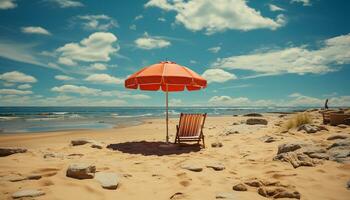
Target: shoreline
column 142, row 121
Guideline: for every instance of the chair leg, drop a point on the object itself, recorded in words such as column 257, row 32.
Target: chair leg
column 203, row 141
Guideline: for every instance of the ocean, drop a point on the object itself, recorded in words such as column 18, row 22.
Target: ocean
column 42, row 119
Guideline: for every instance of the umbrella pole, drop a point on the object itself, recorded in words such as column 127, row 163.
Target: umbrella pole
column 167, row 117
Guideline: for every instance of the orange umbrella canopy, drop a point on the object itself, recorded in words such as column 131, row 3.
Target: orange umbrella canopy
column 168, row 76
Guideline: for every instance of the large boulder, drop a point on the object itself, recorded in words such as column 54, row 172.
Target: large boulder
column 107, row 180
column 6, row 151
column 254, row 121
column 81, row 171
column 27, row 193
column 296, row 159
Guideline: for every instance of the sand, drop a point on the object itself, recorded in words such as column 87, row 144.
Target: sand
column 148, row 171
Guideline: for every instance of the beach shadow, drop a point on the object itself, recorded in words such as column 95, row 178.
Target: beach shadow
column 153, row 148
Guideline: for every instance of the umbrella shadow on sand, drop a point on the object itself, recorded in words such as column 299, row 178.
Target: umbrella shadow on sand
column 154, row 148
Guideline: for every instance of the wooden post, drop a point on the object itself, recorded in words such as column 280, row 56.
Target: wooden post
column 167, row 117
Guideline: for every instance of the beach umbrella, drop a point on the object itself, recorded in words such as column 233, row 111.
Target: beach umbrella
column 167, row 76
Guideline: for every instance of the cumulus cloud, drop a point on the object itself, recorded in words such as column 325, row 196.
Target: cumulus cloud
column 35, row 30
column 218, row 75
column 66, row 61
column 82, row 90
column 138, row 17
column 97, row 47
column 98, row 66
column 148, row 42
column 15, row 92
column 24, row 86
column 304, row 2
column 217, row 16
column 17, row 77
column 97, row 22
column 67, row 3
column 63, row 78
column 214, row 49
column 295, row 60
column 295, row 99
column 104, row 79
column 132, row 27
column 275, row 8
column 7, row 4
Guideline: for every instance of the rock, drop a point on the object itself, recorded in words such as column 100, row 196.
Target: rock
column 107, row 180
column 34, row 177
column 81, row 171
column 319, row 156
column 253, row 183
column 97, row 145
column 216, row 144
column 281, row 116
column 311, row 128
column 253, row 115
column 348, row 185
column 254, row 121
column 216, row 166
column 296, row 159
column 53, row 155
column 235, row 123
column 342, row 126
column 278, row 192
column 288, row 147
column 177, row 195
column 226, row 195
column 76, row 142
column 27, row 193
column 267, row 139
column 347, row 121
column 240, row 187
column 6, row 151
column 336, row 137
column 192, row 167
column 342, row 143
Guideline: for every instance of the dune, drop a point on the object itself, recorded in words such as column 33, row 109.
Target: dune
column 147, row 170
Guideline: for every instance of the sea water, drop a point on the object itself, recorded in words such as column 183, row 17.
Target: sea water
column 39, row 119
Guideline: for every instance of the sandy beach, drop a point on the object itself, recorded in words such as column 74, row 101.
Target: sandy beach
column 148, row 170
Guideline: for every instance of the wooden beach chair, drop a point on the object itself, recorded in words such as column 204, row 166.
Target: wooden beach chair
column 190, row 128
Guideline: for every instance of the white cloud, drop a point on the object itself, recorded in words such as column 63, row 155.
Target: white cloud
column 76, row 89
column 275, row 8
column 295, row 60
column 138, row 17
column 24, row 86
column 67, row 3
column 175, row 102
column 19, row 52
column 104, row 79
column 132, row 27
column 217, row 16
column 35, row 30
column 304, row 2
column 5, row 84
column 214, row 49
column 7, row 4
column 66, row 61
column 17, row 77
column 218, row 75
column 98, row 66
column 97, row 22
column 97, row 47
column 161, row 19
column 63, row 78
column 295, row 99
column 149, row 42
column 15, row 92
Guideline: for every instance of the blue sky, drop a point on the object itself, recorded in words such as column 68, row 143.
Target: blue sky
column 267, row 53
